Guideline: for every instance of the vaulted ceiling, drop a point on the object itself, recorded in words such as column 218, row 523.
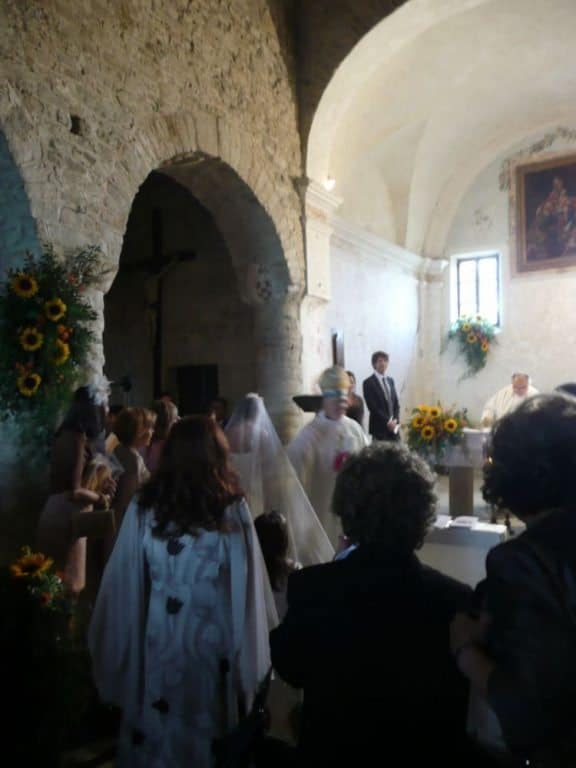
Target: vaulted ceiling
column 429, row 98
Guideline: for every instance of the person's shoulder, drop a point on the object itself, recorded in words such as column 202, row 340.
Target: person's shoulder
column 509, row 554
column 305, row 583
column 441, row 584
column 352, row 423
column 127, row 458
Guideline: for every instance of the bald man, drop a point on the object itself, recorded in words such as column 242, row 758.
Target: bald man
column 507, row 399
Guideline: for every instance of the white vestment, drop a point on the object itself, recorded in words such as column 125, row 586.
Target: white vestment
column 170, row 613
column 318, row 452
column 503, row 402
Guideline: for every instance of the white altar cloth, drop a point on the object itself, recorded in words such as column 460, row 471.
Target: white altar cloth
column 459, row 550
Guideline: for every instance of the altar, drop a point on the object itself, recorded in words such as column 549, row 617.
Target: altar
column 462, row 460
column 458, row 547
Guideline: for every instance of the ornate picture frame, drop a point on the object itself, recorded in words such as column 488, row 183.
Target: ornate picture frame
column 545, row 214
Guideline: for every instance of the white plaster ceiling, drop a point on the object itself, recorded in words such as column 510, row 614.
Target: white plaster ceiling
column 431, row 96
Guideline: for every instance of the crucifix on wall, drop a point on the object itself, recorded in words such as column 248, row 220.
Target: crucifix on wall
column 338, row 348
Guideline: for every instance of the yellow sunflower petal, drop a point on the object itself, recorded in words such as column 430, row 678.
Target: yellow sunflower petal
column 24, row 285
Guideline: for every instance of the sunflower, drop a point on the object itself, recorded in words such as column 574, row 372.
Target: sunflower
column 31, row 339
column 55, row 309
column 435, row 412
column 30, row 565
column 484, row 346
column 417, row 422
column 24, row 285
column 423, row 409
column 450, row 425
column 471, row 338
column 428, row 433
column 28, row 384
column 465, row 327
column 62, row 352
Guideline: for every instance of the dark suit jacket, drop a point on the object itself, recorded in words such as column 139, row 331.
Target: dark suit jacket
column 367, row 639
column 380, row 410
column 531, row 595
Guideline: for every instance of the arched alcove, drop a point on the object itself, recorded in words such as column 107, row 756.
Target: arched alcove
column 202, row 300
column 175, row 302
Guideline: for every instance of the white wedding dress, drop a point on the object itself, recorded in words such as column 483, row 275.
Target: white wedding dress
column 270, row 483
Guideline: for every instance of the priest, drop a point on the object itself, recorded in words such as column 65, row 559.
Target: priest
column 507, row 399
column 320, row 449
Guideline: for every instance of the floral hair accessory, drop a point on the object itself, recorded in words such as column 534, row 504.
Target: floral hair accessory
column 99, row 389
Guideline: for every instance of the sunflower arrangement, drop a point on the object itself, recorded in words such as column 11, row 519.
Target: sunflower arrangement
column 474, row 336
column 34, row 573
column 432, row 429
column 45, row 333
column 44, row 661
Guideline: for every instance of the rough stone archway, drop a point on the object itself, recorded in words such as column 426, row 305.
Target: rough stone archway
column 262, row 276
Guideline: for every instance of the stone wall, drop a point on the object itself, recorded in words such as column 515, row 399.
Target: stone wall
column 97, row 94
column 537, row 309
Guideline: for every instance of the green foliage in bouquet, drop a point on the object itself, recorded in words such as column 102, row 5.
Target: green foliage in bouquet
column 433, row 429
column 474, row 336
column 45, row 334
column 45, row 672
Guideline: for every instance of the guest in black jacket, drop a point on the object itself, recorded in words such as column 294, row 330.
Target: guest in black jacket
column 522, row 652
column 366, row 637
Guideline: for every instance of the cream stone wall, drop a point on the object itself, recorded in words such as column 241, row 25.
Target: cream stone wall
column 538, row 320
column 375, row 305
column 96, row 94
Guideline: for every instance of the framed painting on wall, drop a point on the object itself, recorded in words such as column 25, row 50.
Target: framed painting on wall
column 546, row 214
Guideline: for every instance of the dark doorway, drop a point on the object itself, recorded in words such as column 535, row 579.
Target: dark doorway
column 197, row 387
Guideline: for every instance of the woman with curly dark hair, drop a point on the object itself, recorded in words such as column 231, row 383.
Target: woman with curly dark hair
column 521, row 652
column 179, row 632
column 366, row 636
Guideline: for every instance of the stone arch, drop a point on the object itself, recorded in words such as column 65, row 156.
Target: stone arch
column 266, row 256
column 174, row 140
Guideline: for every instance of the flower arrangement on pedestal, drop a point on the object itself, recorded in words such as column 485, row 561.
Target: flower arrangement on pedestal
column 45, row 333
column 31, row 587
column 432, row 429
column 474, row 336
column 40, row 659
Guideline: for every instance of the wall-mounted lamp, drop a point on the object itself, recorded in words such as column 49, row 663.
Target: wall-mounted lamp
column 329, row 183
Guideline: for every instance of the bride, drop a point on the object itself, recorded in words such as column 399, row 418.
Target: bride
column 270, row 481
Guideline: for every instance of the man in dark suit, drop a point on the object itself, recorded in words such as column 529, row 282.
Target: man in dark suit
column 366, row 636
column 382, row 400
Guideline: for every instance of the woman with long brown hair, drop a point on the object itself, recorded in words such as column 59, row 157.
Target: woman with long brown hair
column 179, row 633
